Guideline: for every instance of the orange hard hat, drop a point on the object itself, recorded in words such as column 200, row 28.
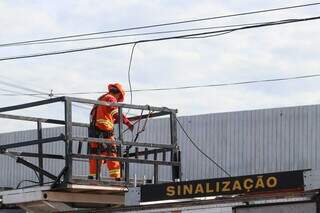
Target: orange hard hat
column 119, row 88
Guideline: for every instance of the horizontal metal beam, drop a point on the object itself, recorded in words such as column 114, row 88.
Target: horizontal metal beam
column 36, row 168
column 42, row 120
column 31, row 104
column 36, row 155
column 151, row 115
column 80, row 197
column 29, row 143
column 149, row 152
column 153, row 145
column 126, row 143
column 90, row 187
column 130, row 160
column 131, row 106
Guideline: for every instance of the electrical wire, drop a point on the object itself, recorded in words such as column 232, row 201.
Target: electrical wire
column 38, row 177
column 184, row 87
column 229, row 84
column 10, row 84
column 129, row 74
column 38, row 93
column 166, row 24
column 281, row 22
column 198, row 148
column 30, row 181
column 209, row 36
column 14, row 93
column 138, row 34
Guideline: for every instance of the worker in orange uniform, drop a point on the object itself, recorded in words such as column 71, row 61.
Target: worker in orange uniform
column 102, row 120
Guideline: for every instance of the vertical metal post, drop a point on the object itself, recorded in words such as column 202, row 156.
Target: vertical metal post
column 156, row 173
column 164, row 155
column 120, row 138
column 40, row 151
column 127, row 168
column 176, row 170
column 155, row 155
column 136, row 156
column 126, row 173
column 120, row 117
column 317, row 200
column 68, row 139
column 155, row 167
column 146, row 153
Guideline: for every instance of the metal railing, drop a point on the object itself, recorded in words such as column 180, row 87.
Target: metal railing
column 126, row 158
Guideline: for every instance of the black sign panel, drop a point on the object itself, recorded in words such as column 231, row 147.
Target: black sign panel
column 280, row 181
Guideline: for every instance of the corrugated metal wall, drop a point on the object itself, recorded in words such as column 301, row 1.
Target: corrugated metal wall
column 243, row 143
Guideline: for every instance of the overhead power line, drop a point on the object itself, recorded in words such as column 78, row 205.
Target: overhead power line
column 137, row 34
column 129, row 74
column 14, row 93
column 211, row 33
column 164, row 24
column 37, row 94
column 10, row 84
column 200, row 150
column 182, row 87
column 228, row 84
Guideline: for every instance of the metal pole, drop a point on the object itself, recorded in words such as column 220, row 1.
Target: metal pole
column 68, row 140
column 156, row 173
column 126, row 168
column 156, row 168
column 126, row 172
column 40, row 151
column 120, row 138
column 176, row 170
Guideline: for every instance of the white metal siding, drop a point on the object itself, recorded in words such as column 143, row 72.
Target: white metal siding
column 292, row 208
column 243, row 143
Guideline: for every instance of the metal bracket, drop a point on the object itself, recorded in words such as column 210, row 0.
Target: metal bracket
column 311, row 179
column 133, row 196
column 58, row 180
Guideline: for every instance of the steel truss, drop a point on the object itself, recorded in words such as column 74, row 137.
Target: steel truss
column 126, row 158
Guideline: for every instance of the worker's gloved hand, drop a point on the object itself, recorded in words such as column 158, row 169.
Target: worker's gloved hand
column 104, row 147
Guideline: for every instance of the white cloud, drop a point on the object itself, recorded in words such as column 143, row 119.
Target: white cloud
column 271, row 52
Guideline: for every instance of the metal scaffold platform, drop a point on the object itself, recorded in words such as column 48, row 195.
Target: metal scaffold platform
column 68, row 192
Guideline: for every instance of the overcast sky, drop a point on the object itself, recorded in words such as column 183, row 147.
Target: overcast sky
column 270, row 52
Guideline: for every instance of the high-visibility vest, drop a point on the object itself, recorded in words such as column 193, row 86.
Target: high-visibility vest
column 102, row 117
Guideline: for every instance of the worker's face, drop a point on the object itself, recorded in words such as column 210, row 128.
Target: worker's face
column 117, row 96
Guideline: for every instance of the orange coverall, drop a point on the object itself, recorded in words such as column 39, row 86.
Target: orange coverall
column 104, row 118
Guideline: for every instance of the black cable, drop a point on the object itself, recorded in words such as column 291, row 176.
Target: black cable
column 30, row 181
column 165, row 24
column 15, row 93
column 36, row 184
column 228, row 84
column 198, row 148
column 36, row 95
column 10, row 84
column 186, row 87
column 38, row 177
column 129, row 74
column 138, row 34
column 158, row 39
column 209, row 36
